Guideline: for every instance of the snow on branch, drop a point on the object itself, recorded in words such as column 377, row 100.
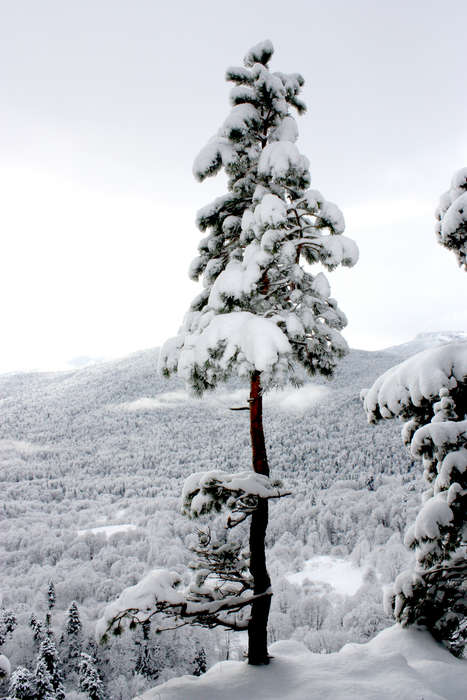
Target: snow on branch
column 405, row 388
column 260, row 53
column 451, row 228
column 229, row 340
column 239, row 492
column 160, row 592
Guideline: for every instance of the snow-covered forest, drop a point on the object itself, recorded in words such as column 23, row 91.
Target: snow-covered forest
column 93, row 463
column 237, row 512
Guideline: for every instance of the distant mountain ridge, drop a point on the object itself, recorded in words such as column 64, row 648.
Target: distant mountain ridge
column 424, row 341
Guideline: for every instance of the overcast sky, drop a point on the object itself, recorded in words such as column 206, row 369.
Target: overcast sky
column 105, row 103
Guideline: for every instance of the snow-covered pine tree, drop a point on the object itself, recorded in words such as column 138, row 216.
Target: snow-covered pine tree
column 199, row 662
column 429, row 392
column 37, row 630
column 43, row 682
column 71, row 641
column 8, row 623
column 73, row 623
column 262, row 314
column 51, row 595
column 451, row 227
column 48, row 669
column 22, row 685
column 89, row 679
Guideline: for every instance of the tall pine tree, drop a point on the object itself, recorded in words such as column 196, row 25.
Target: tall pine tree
column 263, row 313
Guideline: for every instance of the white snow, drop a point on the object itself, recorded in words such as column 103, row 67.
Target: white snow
column 296, row 400
column 218, row 151
column 157, row 585
column 241, row 118
column 339, row 250
column 258, row 339
column 22, row 446
column 169, row 399
column 341, row 574
column 239, row 278
column 287, row 130
column 203, row 490
column 271, row 211
column 455, row 216
column 107, row 530
column 420, row 377
column 279, row 158
column 398, row 664
column 258, row 52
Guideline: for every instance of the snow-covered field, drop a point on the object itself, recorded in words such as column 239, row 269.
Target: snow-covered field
column 341, row 574
column 107, row 530
column 396, row 665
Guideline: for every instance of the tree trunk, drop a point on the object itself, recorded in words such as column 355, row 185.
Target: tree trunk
column 257, row 628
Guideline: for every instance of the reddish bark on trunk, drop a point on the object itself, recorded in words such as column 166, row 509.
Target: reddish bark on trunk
column 257, row 628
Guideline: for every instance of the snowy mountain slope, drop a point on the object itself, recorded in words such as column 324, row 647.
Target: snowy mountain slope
column 397, row 663
column 109, row 445
column 424, row 341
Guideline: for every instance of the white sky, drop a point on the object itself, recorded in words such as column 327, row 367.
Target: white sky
column 105, row 103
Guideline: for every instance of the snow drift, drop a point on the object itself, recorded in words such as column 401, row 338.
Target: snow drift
column 398, row 663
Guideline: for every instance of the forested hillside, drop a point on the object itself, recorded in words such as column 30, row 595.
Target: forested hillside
column 110, row 445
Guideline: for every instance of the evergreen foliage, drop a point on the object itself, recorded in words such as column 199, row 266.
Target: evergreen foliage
column 48, row 674
column 257, row 289
column 37, row 629
column 429, row 391
column 22, row 684
column 262, row 314
column 71, row 641
column 8, row 623
column 51, row 595
column 199, row 662
column 451, row 228
column 89, row 679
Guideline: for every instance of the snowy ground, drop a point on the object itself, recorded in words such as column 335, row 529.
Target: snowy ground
column 341, row 574
column 396, row 665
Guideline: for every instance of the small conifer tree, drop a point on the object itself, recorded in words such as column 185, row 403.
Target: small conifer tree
column 200, row 662
column 22, row 684
column 37, row 631
column 48, row 669
column 73, row 624
column 89, row 679
column 51, row 595
column 71, row 641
